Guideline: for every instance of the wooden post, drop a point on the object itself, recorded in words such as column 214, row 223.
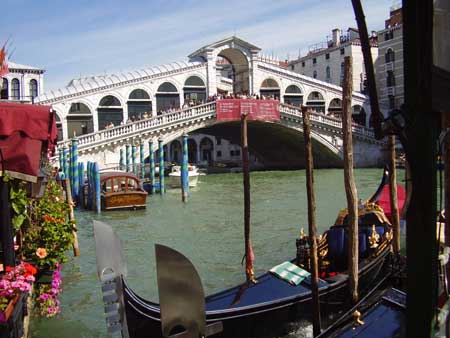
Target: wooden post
column 249, row 257
column 446, row 158
column 368, row 64
column 312, row 222
column 76, row 248
column 350, row 188
column 395, row 218
column 420, row 140
column 6, row 230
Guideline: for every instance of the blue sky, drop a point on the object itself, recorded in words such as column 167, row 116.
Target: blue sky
column 69, row 38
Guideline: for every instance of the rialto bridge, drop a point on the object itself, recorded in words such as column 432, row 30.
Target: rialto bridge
column 167, row 101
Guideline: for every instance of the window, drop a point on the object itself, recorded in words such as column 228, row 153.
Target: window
column 314, row 61
column 342, row 72
column 292, row 67
column 389, row 35
column 231, row 152
column 315, row 74
column 4, row 90
column 15, row 89
column 237, row 152
column 219, row 153
column 328, row 73
column 33, row 88
column 342, row 51
column 327, row 56
column 303, row 64
column 390, row 81
column 219, row 141
column 390, row 55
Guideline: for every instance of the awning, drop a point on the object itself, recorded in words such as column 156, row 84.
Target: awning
column 27, row 132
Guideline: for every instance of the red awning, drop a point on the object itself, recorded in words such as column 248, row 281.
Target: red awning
column 26, row 132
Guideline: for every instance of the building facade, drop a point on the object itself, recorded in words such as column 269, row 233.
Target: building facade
column 389, row 70
column 22, row 83
column 325, row 61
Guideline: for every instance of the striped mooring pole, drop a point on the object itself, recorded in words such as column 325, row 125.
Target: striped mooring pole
column 97, row 188
column 127, row 157
column 161, row 166
column 152, row 166
column 121, row 160
column 65, row 163
column 75, row 179
column 133, row 158
column 184, row 171
column 61, row 161
column 142, row 160
column 81, row 184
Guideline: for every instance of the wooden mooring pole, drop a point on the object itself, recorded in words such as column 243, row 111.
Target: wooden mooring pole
column 249, row 256
column 76, row 248
column 312, row 222
column 395, row 217
column 350, row 187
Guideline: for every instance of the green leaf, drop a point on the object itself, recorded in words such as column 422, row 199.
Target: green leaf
column 17, row 221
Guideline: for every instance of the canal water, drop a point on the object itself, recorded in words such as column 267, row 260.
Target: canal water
column 208, row 230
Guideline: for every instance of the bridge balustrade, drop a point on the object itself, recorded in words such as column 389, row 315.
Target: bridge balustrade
column 207, row 109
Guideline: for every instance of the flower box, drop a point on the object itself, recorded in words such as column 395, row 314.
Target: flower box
column 12, row 326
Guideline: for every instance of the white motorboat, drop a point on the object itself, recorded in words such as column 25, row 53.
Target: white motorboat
column 174, row 178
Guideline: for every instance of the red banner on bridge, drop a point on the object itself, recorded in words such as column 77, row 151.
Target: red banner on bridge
column 261, row 110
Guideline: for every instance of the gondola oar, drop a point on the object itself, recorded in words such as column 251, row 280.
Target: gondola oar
column 181, row 296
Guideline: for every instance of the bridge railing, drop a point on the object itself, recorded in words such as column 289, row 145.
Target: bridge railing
column 147, row 124
column 327, row 120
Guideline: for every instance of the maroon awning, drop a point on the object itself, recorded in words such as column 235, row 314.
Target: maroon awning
column 26, row 132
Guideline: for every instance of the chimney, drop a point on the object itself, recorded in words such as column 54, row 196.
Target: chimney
column 336, row 37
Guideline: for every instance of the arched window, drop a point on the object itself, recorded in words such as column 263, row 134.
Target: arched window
column 206, row 150
column 139, row 105
column 335, row 107
column 4, row 91
column 328, row 74
column 110, row 112
column 315, row 74
column 15, row 89
column 59, row 127
column 390, row 80
column 33, row 89
column 270, row 88
column 390, row 55
column 167, row 97
column 316, row 102
column 293, row 96
column 194, row 90
column 79, row 120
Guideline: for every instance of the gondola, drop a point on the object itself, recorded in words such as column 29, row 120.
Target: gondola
column 254, row 309
column 382, row 316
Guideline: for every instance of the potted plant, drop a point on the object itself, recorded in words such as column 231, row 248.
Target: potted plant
column 49, row 234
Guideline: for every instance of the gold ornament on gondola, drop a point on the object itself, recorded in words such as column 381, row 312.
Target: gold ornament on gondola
column 357, row 318
column 374, row 238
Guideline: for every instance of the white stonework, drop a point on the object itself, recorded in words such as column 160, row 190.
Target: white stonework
column 23, row 75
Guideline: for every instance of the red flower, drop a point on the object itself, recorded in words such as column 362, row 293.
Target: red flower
column 30, row 269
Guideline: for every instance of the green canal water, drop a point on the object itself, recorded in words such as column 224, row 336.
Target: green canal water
column 208, row 230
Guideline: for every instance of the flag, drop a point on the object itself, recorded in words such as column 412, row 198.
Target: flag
column 3, row 61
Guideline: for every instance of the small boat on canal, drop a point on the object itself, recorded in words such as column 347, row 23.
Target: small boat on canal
column 251, row 309
column 121, row 190
column 174, row 177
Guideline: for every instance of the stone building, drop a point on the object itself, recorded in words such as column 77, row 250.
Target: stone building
column 22, row 83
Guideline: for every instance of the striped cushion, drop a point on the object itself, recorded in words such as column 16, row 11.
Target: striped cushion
column 289, row 272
